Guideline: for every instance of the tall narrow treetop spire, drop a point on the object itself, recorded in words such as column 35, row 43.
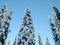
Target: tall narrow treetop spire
column 27, row 10
column 54, row 8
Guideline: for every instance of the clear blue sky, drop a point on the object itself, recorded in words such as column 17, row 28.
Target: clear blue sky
column 40, row 10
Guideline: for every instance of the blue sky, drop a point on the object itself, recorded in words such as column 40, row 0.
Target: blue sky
column 40, row 10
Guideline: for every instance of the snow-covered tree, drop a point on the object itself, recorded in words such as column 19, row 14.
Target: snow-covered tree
column 39, row 40
column 26, row 33
column 55, row 25
column 5, row 19
column 15, row 41
column 54, row 31
column 8, row 43
column 47, row 41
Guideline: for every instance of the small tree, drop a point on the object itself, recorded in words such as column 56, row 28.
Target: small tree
column 15, row 41
column 39, row 40
column 47, row 41
column 9, row 43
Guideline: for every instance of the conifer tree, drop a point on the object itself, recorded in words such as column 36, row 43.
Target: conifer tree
column 39, row 40
column 15, row 41
column 9, row 43
column 26, row 33
column 47, row 41
column 5, row 19
column 55, row 25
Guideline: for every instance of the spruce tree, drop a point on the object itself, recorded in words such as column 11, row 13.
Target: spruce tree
column 9, row 43
column 39, row 40
column 47, row 41
column 5, row 19
column 26, row 33
column 15, row 41
column 55, row 25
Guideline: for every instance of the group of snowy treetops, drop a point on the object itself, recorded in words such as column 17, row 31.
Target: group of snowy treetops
column 26, row 34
